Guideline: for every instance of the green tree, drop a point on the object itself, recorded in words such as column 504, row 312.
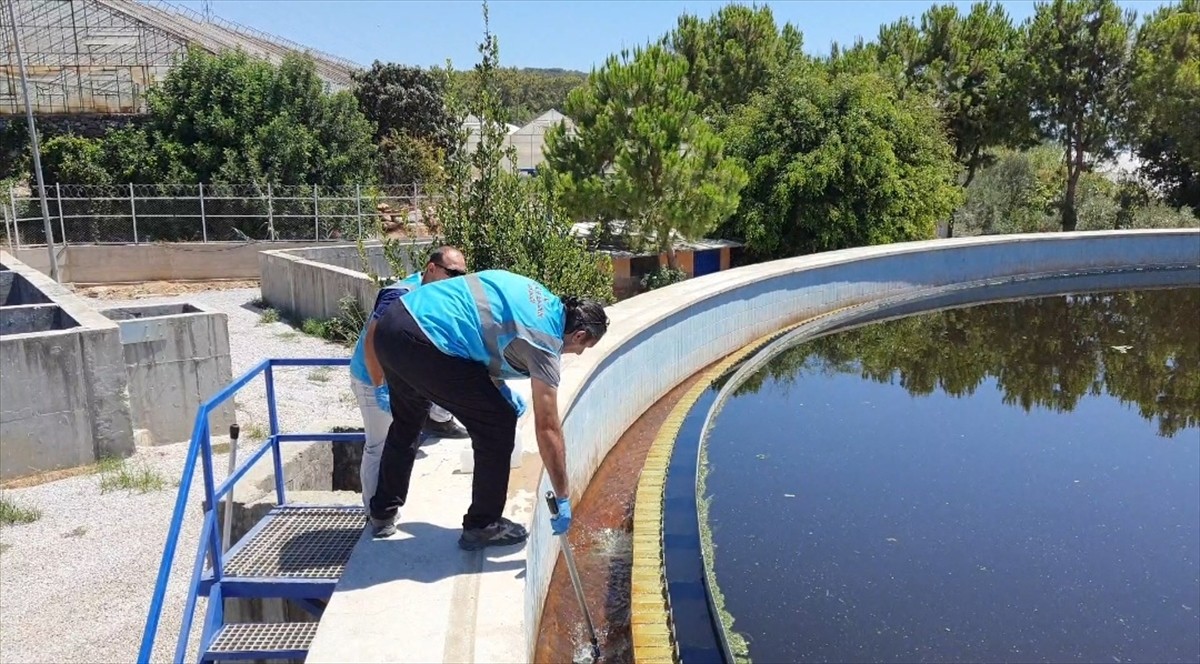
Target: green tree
column 14, row 150
column 839, row 160
column 524, row 93
column 965, row 62
column 1017, row 193
column 498, row 218
column 640, row 152
column 1076, row 82
column 410, row 100
column 71, row 159
column 233, row 119
column 732, row 54
column 1164, row 118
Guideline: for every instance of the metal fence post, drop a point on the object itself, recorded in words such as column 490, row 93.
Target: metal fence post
column 7, row 230
column 133, row 213
column 270, row 214
column 203, row 221
column 358, row 205
column 316, row 216
column 62, row 227
column 12, row 202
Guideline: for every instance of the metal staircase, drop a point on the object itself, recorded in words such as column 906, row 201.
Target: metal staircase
column 296, row 552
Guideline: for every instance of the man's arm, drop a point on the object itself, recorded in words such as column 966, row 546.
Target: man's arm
column 386, row 298
column 549, row 435
column 372, row 362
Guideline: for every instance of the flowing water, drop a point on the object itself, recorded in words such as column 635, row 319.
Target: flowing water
column 601, row 538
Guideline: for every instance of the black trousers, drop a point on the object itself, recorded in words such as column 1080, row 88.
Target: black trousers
column 417, row 373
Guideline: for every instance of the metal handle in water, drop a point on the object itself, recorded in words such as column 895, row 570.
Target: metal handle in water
column 234, row 432
column 566, row 547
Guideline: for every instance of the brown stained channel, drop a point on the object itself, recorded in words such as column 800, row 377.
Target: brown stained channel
column 601, row 537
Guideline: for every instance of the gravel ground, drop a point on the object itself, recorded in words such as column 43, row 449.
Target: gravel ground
column 75, row 585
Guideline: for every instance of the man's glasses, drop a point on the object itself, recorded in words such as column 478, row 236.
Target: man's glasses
column 451, row 271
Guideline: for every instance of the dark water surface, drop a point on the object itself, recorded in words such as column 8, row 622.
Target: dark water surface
column 1007, row 482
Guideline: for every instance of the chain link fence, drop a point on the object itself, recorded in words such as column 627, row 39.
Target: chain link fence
column 141, row 213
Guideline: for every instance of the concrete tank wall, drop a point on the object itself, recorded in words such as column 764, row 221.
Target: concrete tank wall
column 160, row 261
column 659, row 338
column 311, row 282
column 26, row 318
column 64, row 397
column 176, row 357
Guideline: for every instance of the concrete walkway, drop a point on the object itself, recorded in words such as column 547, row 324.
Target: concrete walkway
column 414, row 597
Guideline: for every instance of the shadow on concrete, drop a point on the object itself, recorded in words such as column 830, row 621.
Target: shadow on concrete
column 424, row 553
column 317, row 551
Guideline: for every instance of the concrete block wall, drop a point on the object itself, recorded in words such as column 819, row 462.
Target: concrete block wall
column 176, row 357
column 657, row 339
column 64, row 396
column 311, row 282
column 159, row 261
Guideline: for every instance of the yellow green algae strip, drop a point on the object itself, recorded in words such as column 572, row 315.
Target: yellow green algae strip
column 650, row 620
column 650, row 616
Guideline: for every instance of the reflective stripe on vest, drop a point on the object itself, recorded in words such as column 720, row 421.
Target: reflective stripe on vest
column 510, row 328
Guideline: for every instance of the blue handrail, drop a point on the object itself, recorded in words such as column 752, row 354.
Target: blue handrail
column 210, row 537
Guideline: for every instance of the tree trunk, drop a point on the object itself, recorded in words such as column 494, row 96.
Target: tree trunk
column 972, row 167
column 672, row 259
column 1074, row 169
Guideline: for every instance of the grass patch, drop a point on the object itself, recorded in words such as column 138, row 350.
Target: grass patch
column 255, row 431
column 342, row 329
column 320, row 375
column 290, row 335
column 12, row 514
column 347, row 399
column 79, row 531
column 268, row 316
column 117, row 474
column 4, row 547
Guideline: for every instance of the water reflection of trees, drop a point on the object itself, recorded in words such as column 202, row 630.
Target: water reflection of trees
column 1047, row 352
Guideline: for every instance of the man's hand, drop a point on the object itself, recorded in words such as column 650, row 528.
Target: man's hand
column 513, row 398
column 562, row 521
column 549, row 435
column 383, row 398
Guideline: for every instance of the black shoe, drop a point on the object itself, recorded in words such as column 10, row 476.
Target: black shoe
column 447, row 429
column 502, row 532
column 383, row 527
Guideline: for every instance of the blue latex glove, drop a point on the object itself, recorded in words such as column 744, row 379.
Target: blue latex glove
column 383, row 398
column 513, row 398
column 559, row 524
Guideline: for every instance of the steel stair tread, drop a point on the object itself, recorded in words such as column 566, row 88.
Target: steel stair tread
column 309, row 542
column 262, row 639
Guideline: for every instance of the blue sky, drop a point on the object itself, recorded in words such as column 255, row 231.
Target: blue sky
column 546, row 33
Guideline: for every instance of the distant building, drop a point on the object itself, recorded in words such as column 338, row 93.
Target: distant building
column 528, row 140
column 101, row 56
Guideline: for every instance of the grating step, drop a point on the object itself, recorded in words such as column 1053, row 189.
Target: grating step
column 302, row 550
column 289, row 640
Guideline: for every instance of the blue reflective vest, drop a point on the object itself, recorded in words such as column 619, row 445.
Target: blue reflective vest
column 358, row 363
column 476, row 316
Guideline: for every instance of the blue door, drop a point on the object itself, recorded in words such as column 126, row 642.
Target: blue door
column 706, row 262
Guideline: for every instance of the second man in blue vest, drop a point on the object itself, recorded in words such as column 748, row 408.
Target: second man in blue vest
column 454, row 342
column 366, row 376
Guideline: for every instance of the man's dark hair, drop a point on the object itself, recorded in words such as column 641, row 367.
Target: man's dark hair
column 585, row 314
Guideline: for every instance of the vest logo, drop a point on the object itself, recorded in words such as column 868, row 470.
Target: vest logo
column 538, row 300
